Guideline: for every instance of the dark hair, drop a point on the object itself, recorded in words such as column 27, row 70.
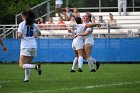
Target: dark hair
column 78, row 20
column 89, row 16
column 110, row 14
column 29, row 17
column 100, row 16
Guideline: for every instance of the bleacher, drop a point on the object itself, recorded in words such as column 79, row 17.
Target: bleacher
column 126, row 25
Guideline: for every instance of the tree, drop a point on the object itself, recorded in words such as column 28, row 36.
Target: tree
column 9, row 8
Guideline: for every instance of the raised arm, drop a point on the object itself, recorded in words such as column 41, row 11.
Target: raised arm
column 83, row 34
column 92, row 25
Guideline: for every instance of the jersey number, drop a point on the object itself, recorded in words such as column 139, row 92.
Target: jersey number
column 29, row 31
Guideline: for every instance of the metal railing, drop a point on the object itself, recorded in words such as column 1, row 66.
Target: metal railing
column 53, row 30
column 46, row 14
column 8, row 30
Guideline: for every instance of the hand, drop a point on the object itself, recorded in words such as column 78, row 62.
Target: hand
column 4, row 48
column 75, row 36
column 98, row 25
column 69, row 31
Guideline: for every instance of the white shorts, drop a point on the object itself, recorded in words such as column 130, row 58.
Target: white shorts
column 77, row 46
column 28, row 52
column 58, row 6
column 90, row 44
column 89, row 41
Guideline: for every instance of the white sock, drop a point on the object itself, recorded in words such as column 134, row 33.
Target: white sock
column 74, row 63
column 27, row 74
column 28, row 66
column 94, row 60
column 80, row 62
column 90, row 63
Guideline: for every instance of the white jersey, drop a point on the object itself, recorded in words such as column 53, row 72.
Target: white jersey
column 79, row 29
column 78, row 42
column 89, row 38
column 28, row 35
column 58, row 2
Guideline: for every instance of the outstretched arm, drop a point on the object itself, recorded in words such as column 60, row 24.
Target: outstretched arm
column 83, row 34
column 92, row 25
column 1, row 42
column 3, row 46
column 87, row 26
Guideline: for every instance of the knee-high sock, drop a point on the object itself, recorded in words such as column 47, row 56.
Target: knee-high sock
column 27, row 74
column 75, row 61
column 80, row 62
column 94, row 60
column 28, row 66
column 90, row 63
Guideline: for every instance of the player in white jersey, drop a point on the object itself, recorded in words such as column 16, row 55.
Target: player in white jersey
column 78, row 42
column 88, row 43
column 27, row 32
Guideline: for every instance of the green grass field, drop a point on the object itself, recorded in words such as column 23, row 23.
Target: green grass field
column 56, row 78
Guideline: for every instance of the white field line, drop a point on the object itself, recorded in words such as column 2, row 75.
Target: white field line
column 1, row 82
column 7, row 81
column 85, row 87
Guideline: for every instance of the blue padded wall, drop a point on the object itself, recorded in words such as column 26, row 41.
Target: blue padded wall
column 59, row 50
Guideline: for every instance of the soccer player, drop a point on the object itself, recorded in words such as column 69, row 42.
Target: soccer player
column 78, row 44
column 88, row 44
column 27, row 32
column 3, row 46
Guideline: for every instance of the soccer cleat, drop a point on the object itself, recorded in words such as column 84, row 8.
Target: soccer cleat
column 72, row 70
column 26, row 81
column 80, row 70
column 92, row 70
column 38, row 68
column 97, row 65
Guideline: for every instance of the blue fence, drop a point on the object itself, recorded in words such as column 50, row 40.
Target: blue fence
column 59, row 50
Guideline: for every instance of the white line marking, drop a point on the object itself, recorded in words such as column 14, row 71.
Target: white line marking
column 85, row 87
column 7, row 81
column 0, row 86
column 4, row 81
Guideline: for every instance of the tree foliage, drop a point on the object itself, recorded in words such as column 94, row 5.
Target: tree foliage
column 9, row 8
